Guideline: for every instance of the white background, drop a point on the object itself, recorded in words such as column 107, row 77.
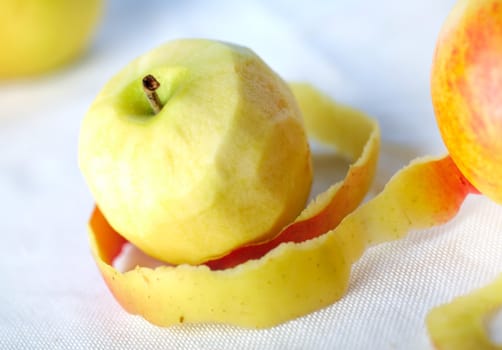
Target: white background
column 374, row 55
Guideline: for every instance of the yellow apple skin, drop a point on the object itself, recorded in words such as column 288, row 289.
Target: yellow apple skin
column 226, row 161
column 40, row 35
column 466, row 85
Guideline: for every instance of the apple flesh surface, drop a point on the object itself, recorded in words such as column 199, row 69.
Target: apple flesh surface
column 39, row 35
column 466, row 89
column 224, row 163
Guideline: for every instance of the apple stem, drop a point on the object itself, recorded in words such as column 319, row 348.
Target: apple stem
column 150, row 84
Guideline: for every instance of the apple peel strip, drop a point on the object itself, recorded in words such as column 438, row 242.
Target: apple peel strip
column 310, row 271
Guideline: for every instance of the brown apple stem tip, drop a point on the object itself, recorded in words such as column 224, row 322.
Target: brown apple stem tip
column 150, row 84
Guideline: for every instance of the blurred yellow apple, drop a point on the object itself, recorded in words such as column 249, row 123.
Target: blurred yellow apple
column 39, row 35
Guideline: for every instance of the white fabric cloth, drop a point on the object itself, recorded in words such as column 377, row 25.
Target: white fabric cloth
column 373, row 55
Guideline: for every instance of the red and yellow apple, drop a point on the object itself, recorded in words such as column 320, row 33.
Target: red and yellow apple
column 466, row 85
column 40, row 35
column 466, row 82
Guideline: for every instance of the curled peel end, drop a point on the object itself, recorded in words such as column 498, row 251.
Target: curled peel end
column 461, row 324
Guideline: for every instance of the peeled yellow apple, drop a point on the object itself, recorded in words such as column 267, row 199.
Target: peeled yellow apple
column 39, row 35
column 225, row 162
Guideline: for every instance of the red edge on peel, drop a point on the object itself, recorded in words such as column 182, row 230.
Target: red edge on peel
column 296, row 232
column 112, row 243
